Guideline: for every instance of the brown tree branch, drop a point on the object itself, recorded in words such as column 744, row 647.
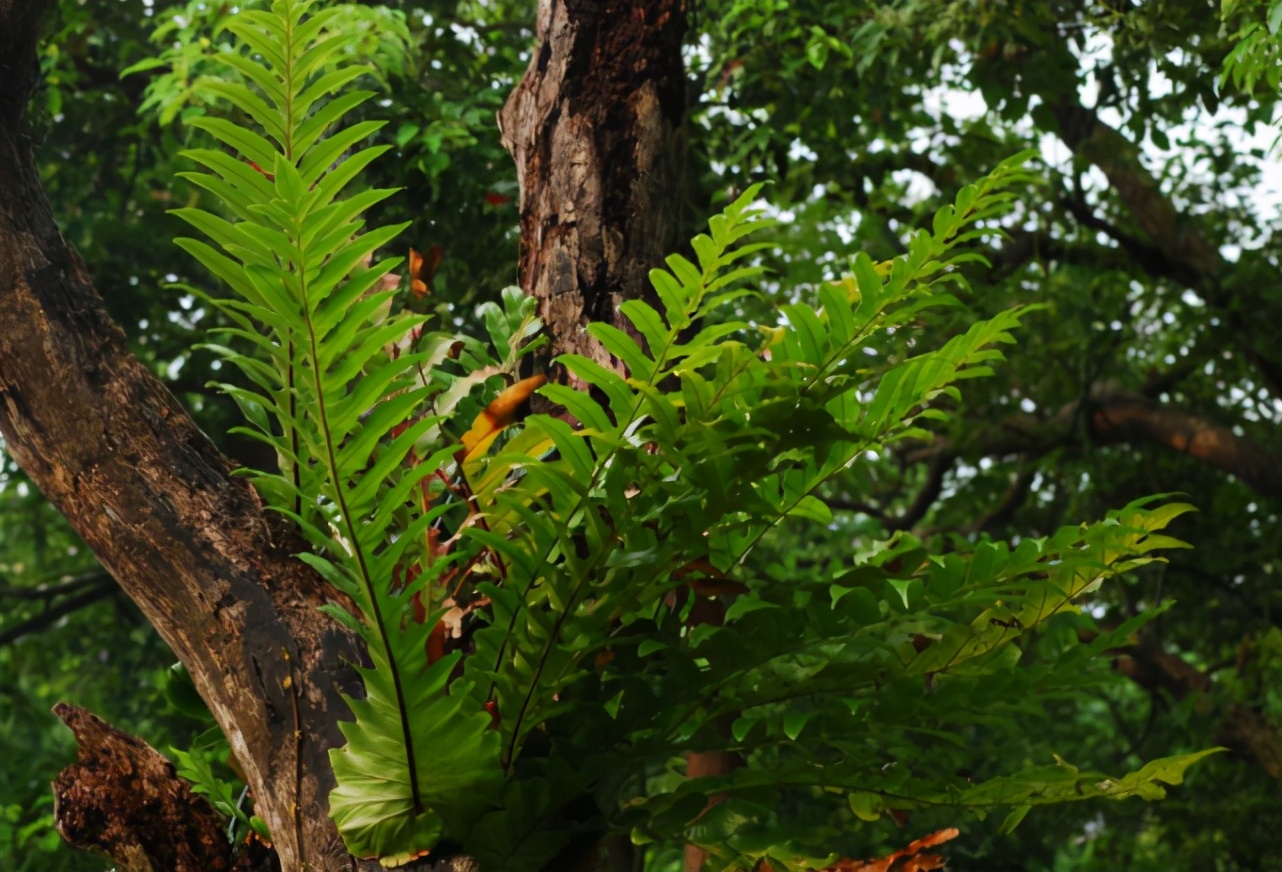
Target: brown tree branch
column 926, row 497
column 844, row 504
column 1177, row 236
column 1115, row 416
column 1150, row 258
column 1252, row 308
column 1133, row 418
column 157, row 504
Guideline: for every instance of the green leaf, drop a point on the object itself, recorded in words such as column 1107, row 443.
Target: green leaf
column 1013, row 819
column 865, row 805
column 251, row 145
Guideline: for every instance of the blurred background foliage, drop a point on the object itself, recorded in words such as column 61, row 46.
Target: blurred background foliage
column 1152, row 235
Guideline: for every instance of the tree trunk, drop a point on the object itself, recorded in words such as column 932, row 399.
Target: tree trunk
column 156, row 502
column 596, row 129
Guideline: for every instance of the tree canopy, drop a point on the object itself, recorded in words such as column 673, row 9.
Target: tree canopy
column 1133, row 290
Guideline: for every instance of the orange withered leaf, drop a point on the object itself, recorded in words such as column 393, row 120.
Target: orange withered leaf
column 914, row 860
column 422, row 267
column 499, row 414
column 271, row 177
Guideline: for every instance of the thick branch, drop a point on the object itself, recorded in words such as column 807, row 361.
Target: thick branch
column 1184, row 252
column 1132, row 418
column 156, row 502
column 1117, row 416
column 1177, row 236
column 1150, row 258
column 123, row 800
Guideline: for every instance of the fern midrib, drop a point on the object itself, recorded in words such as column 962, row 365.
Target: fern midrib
column 340, row 496
column 331, row 451
column 292, row 379
column 291, row 372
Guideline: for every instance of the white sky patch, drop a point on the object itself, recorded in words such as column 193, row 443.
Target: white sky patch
column 1255, row 145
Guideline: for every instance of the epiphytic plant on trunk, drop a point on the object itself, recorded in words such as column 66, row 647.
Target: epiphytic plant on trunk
column 532, row 595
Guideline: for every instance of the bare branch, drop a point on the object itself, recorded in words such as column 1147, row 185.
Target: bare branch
column 1114, row 416
column 1150, row 258
column 48, row 592
column 1177, row 245
column 54, row 613
column 926, row 497
column 1133, row 418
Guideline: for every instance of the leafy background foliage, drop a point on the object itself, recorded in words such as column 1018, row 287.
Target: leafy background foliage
column 835, row 104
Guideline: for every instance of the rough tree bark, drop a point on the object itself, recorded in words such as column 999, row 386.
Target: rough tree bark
column 596, row 129
column 147, row 822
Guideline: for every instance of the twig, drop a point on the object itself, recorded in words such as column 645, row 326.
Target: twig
column 56, row 612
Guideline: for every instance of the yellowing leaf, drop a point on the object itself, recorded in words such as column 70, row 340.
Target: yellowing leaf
column 499, row 414
column 422, row 268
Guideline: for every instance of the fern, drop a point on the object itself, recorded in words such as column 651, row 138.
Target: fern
column 588, row 553
column 337, row 408
column 603, row 537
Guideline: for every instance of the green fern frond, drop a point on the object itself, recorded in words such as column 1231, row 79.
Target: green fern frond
column 343, row 414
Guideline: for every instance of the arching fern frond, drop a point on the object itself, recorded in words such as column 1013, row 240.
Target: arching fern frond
column 341, row 411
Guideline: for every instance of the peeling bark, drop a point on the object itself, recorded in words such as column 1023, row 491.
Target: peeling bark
column 124, row 801
column 595, row 127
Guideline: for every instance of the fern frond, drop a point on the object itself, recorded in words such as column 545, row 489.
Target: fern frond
column 342, row 413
